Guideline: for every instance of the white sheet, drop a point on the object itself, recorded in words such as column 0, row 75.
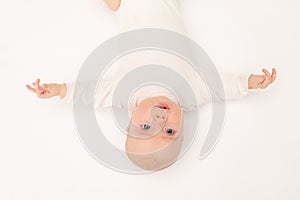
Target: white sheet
column 256, row 158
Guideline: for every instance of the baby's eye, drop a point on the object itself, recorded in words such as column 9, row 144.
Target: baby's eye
column 170, row 131
column 145, row 126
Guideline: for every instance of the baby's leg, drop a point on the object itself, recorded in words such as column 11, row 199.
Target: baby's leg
column 113, row 4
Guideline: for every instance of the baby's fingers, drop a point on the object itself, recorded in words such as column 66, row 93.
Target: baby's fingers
column 37, row 83
column 265, row 84
column 44, row 95
column 267, row 73
column 274, row 75
column 261, row 78
column 31, row 89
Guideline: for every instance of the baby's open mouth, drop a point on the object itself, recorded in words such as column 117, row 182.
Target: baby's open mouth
column 163, row 106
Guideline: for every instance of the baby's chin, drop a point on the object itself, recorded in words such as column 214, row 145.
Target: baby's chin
column 161, row 100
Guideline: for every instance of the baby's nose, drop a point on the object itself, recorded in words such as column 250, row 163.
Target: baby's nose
column 159, row 115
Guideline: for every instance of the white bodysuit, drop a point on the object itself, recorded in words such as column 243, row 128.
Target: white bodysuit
column 164, row 14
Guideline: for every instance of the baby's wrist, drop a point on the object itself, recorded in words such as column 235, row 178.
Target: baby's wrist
column 250, row 83
column 62, row 90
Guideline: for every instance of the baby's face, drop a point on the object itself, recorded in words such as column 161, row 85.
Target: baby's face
column 156, row 116
column 156, row 129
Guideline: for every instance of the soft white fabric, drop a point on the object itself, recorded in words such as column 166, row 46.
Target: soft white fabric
column 134, row 14
column 235, row 85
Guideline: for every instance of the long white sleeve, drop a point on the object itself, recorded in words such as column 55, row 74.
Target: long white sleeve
column 235, row 86
column 102, row 94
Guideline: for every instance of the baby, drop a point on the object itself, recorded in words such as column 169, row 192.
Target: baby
column 155, row 132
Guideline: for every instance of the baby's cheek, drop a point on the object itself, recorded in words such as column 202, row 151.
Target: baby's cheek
column 175, row 117
column 140, row 116
column 167, row 139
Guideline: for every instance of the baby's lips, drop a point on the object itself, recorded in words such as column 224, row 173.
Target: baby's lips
column 163, row 106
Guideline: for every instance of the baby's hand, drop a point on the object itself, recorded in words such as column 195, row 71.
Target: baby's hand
column 262, row 81
column 47, row 91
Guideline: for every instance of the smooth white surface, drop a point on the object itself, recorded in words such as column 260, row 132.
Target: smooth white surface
column 256, row 158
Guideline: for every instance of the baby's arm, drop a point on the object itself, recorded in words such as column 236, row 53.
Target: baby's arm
column 86, row 94
column 236, row 85
column 47, row 91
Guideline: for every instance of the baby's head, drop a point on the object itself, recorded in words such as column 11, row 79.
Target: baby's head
column 155, row 133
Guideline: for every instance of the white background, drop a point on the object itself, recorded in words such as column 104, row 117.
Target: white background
column 41, row 156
